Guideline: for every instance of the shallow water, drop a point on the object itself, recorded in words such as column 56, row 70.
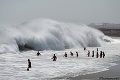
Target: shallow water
column 13, row 66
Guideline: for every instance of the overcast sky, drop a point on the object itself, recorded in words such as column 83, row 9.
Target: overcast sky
column 75, row 11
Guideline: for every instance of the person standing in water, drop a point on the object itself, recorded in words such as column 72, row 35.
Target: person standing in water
column 29, row 63
column 88, row 54
column 84, row 48
column 65, row 55
column 71, row 53
column 100, row 54
column 76, row 53
column 103, row 54
column 38, row 53
column 97, row 49
column 97, row 55
column 93, row 53
column 54, row 58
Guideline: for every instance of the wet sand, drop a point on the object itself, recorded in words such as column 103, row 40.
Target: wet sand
column 112, row 74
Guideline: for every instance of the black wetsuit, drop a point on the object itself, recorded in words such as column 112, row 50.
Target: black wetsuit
column 71, row 54
column 29, row 64
column 77, row 54
column 100, row 54
column 97, row 55
column 65, row 55
column 103, row 54
column 88, row 53
column 38, row 54
column 92, row 53
column 84, row 48
column 54, row 58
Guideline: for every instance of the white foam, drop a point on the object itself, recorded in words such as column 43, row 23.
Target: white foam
column 13, row 66
column 116, row 41
column 45, row 34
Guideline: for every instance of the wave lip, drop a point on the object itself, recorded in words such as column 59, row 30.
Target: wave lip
column 46, row 34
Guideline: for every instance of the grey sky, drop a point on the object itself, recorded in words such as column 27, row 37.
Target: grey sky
column 76, row 11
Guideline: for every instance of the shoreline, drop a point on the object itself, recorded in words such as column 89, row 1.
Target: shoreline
column 112, row 74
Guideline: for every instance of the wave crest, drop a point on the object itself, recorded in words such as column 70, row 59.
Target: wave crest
column 45, row 34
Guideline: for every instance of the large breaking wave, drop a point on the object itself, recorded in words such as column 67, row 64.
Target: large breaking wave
column 45, row 34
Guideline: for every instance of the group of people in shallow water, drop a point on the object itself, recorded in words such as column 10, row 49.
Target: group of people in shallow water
column 29, row 62
column 65, row 55
column 102, row 55
column 71, row 53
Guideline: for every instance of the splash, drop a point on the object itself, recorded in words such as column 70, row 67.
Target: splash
column 45, row 34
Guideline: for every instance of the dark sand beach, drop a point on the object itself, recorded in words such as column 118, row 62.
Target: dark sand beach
column 112, row 74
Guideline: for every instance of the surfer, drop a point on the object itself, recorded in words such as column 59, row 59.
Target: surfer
column 54, row 58
column 38, row 53
column 65, row 55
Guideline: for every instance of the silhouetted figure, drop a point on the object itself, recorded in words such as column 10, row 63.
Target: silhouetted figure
column 77, row 54
column 38, row 53
column 65, row 55
column 97, row 49
column 71, row 53
column 97, row 55
column 92, row 53
column 88, row 54
column 103, row 54
column 29, row 63
column 54, row 58
column 84, row 48
column 100, row 54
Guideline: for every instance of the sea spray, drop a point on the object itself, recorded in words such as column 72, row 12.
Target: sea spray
column 46, row 34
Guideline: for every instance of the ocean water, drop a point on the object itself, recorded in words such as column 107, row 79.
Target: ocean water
column 28, row 38
column 14, row 66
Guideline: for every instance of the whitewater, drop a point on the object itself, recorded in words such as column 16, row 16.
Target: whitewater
column 21, row 42
column 45, row 34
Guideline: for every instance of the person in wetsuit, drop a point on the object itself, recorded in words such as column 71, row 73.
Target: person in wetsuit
column 84, row 48
column 103, row 54
column 38, row 53
column 71, row 53
column 93, row 53
column 97, row 55
column 54, row 58
column 97, row 49
column 65, row 55
column 76, row 53
column 88, row 54
column 29, row 63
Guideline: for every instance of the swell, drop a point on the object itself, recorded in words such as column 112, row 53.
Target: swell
column 46, row 34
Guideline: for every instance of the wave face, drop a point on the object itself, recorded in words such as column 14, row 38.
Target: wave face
column 45, row 34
